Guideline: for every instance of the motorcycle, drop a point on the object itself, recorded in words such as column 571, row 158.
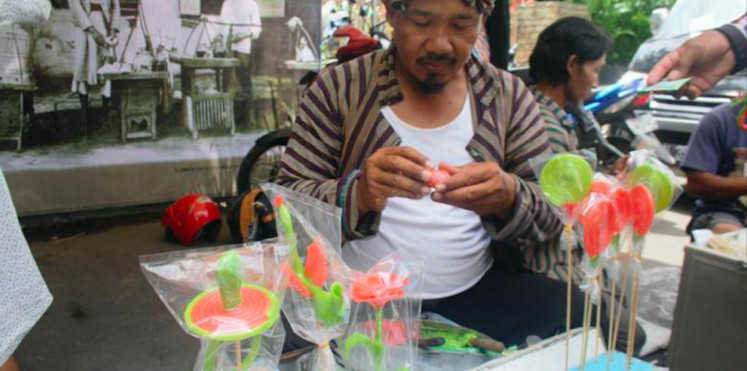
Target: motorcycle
column 620, row 129
column 262, row 163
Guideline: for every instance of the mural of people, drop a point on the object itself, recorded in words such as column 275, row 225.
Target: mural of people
column 96, row 23
column 242, row 24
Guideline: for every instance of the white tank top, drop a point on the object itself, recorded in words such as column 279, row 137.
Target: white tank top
column 452, row 241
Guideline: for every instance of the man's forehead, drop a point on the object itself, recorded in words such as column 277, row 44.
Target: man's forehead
column 457, row 7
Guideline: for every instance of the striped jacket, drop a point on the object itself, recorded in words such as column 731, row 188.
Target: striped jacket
column 548, row 257
column 339, row 124
column 558, row 125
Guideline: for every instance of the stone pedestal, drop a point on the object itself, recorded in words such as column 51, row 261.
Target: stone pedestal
column 135, row 98
column 14, row 112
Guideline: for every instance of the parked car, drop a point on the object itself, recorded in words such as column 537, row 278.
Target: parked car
column 677, row 118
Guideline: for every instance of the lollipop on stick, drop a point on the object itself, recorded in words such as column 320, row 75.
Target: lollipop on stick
column 620, row 197
column 598, row 220
column 654, row 189
column 565, row 180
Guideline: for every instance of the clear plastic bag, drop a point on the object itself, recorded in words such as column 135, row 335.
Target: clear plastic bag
column 565, row 179
column 317, row 304
column 383, row 331
column 598, row 218
column 229, row 297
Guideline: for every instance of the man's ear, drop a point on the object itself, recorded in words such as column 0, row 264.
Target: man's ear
column 572, row 64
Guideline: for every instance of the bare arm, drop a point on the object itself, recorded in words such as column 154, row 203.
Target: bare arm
column 712, row 186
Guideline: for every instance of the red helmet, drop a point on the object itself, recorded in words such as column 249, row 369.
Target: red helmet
column 358, row 44
column 191, row 218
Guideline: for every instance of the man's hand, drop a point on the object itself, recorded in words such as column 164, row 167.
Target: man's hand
column 482, row 187
column 619, row 168
column 392, row 172
column 707, row 58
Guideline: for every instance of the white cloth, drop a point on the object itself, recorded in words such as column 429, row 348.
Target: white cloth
column 24, row 11
column 23, row 294
column 452, row 242
column 244, row 14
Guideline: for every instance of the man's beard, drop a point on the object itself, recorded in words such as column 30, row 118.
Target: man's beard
column 428, row 86
column 431, row 84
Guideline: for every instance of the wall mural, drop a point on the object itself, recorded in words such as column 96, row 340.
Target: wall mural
column 131, row 88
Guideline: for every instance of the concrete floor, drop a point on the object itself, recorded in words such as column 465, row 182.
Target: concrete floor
column 105, row 316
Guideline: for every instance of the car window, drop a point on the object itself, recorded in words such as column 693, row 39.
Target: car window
column 695, row 16
column 687, row 18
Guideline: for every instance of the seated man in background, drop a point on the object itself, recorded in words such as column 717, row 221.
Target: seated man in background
column 715, row 168
column 368, row 136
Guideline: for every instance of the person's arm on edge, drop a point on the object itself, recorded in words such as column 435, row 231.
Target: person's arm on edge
column 707, row 58
column 708, row 185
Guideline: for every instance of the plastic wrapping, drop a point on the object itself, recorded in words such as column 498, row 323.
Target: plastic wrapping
column 227, row 296
column 384, row 327
column 646, row 169
column 565, row 178
column 317, row 304
column 598, row 218
column 653, row 189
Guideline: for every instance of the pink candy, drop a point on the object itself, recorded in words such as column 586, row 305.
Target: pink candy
column 437, row 177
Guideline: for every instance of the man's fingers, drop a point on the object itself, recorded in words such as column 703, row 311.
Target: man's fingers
column 662, row 68
column 403, row 165
column 462, row 196
column 388, row 191
column 467, row 175
column 412, row 155
column 693, row 92
column 401, row 183
column 448, row 168
column 686, row 56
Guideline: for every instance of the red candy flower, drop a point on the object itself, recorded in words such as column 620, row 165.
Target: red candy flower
column 378, row 288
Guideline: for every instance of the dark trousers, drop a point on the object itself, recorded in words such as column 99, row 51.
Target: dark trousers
column 510, row 305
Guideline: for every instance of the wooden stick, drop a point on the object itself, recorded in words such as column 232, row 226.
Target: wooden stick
column 622, row 298
column 599, row 318
column 585, row 337
column 631, row 325
column 237, row 350
column 569, row 264
column 610, row 349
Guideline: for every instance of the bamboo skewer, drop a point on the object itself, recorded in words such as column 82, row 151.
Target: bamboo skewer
column 585, row 337
column 631, row 325
column 569, row 263
column 237, row 350
column 620, row 307
column 599, row 319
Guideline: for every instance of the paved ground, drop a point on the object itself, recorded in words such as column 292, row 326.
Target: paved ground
column 105, row 316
